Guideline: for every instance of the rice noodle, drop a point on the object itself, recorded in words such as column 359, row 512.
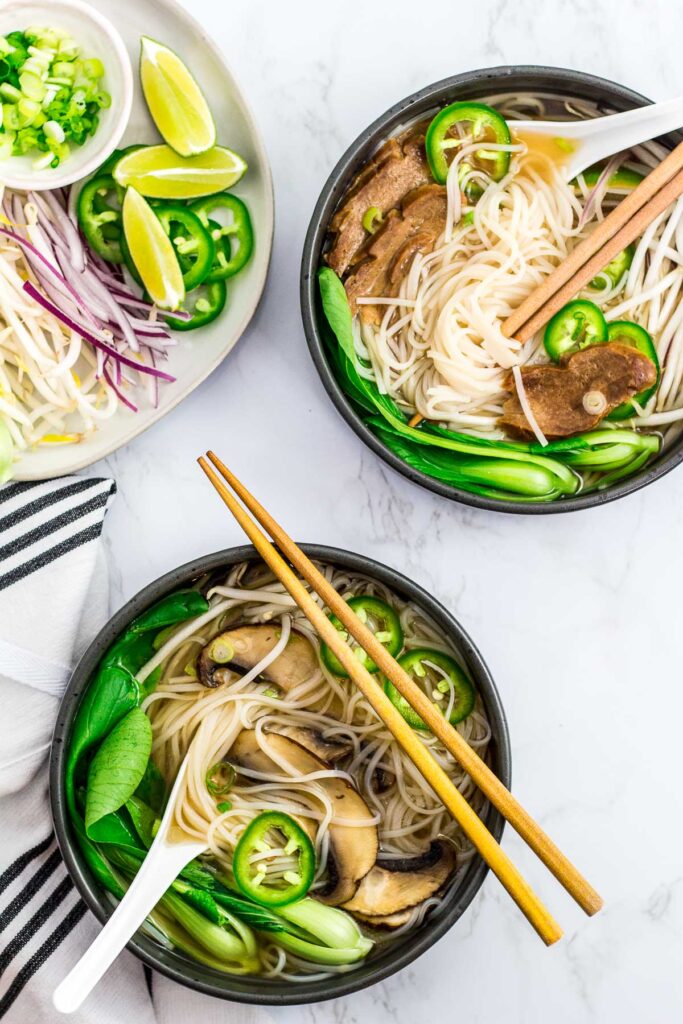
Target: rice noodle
column 186, row 715
column 439, row 350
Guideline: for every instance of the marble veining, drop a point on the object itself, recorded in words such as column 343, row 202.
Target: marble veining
column 578, row 616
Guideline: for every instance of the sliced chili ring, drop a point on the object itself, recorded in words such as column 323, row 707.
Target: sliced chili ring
column 276, row 832
column 234, row 240
column 615, row 269
column 626, row 333
column 434, row 672
column 380, row 618
column 577, row 325
column 204, row 303
column 486, row 124
column 100, row 221
column 192, row 242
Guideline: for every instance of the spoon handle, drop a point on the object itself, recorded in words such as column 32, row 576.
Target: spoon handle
column 156, row 874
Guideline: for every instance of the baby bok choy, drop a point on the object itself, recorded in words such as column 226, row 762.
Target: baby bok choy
column 116, row 797
column 514, row 470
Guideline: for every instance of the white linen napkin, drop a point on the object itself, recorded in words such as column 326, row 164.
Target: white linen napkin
column 53, row 599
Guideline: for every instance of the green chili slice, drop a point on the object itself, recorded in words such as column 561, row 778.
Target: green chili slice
column 233, row 240
column 192, row 242
column 442, row 679
column 577, row 325
column 615, row 270
column 274, row 861
column 485, row 125
column 380, row 618
column 626, row 333
column 99, row 215
column 623, row 180
column 204, row 303
column 220, row 778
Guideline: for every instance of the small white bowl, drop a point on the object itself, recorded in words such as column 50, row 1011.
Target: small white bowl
column 96, row 37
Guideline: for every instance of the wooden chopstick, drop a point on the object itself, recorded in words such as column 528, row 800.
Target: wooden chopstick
column 499, row 862
column 542, row 845
column 623, row 225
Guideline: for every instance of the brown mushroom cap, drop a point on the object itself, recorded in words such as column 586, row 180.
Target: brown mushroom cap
column 394, row 886
column 245, row 646
column 352, row 850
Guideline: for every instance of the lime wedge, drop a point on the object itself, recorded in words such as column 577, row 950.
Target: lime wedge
column 175, row 101
column 159, row 172
column 152, row 252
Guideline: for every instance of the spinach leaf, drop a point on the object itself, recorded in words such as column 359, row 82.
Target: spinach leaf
column 118, row 766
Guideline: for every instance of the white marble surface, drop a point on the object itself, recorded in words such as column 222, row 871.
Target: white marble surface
column 578, row 616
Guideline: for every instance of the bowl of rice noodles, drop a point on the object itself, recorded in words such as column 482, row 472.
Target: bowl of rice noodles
column 330, row 863
column 435, row 224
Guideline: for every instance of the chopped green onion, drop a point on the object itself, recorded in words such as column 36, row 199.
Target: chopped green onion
column 50, row 95
column 372, row 219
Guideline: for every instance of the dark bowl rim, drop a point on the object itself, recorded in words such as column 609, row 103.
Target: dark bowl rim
column 229, row 986
column 547, row 78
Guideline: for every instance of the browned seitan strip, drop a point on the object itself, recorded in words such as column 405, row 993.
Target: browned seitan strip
column 397, row 168
column 556, row 393
column 389, row 253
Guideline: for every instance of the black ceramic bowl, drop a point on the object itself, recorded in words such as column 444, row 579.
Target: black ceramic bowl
column 379, row 965
column 470, row 85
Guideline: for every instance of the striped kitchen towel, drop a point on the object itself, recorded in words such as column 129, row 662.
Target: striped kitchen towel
column 53, row 599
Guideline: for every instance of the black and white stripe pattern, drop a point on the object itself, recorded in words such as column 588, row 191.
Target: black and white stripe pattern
column 38, row 909
column 48, row 530
column 40, row 522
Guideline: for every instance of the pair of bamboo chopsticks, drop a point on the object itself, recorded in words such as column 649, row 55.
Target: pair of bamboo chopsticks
column 623, row 225
column 493, row 789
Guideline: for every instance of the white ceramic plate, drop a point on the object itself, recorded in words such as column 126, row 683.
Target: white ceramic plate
column 197, row 352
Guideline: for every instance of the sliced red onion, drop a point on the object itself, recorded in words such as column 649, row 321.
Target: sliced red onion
column 119, row 394
column 599, row 188
column 26, row 245
column 31, row 290
column 153, row 385
column 71, row 235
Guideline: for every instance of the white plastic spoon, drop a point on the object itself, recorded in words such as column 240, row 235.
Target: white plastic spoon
column 601, row 137
column 171, row 850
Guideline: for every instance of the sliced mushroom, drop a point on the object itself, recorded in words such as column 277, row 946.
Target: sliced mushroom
column 382, row 780
column 396, row 885
column 315, row 743
column 388, row 921
column 352, row 849
column 245, row 646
